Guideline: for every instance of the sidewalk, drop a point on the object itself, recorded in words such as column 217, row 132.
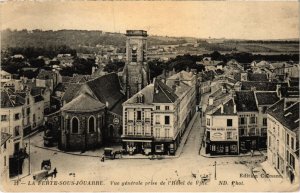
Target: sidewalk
column 39, row 143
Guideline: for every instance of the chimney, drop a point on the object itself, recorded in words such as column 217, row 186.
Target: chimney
column 253, row 88
column 222, row 109
column 106, row 103
column 278, row 89
column 210, row 100
column 234, row 108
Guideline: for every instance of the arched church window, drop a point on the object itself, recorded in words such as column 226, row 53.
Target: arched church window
column 92, row 124
column 75, row 125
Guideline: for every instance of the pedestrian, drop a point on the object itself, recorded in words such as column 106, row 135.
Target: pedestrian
column 54, row 172
column 102, row 159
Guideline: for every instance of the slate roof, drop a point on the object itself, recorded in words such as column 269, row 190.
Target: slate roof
column 228, row 108
column 290, row 92
column 294, row 81
column 4, row 137
column 257, row 77
column 262, row 86
column 266, row 98
column 245, row 101
column 163, row 93
column 38, row 98
column 10, row 99
column 147, row 93
column 107, row 88
column 83, row 103
column 286, row 116
column 71, row 91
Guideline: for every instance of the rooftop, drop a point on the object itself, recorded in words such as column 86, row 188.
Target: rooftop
column 245, row 101
column 266, row 98
column 83, row 103
column 286, row 114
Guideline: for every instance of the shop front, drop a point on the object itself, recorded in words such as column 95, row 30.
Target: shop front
column 223, row 148
column 134, row 145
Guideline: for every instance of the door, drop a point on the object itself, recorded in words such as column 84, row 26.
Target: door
column 17, row 147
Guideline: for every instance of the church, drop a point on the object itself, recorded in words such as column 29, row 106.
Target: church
column 92, row 111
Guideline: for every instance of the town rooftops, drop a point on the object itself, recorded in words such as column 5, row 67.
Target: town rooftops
column 83, row 103
column 4, row 137
column 266, row 98
column 287, row 113
column 245, row 101
column 46, row 74
column 146, row 93
column 10, row 99
column 228, row 108
column 257, row 77
column 262, row 86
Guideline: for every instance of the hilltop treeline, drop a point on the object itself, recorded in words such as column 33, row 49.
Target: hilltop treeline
column 73, row 38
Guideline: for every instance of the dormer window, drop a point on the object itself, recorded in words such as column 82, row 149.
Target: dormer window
column 140, row 98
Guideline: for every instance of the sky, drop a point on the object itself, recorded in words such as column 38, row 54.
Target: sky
column 201, row 19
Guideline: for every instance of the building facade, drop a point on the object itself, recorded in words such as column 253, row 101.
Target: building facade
column 155, row 118
column 283, row 138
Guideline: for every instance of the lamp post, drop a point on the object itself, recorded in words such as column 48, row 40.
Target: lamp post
column 215, row 170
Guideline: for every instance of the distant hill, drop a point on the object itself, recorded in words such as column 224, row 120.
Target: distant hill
column 75, row 38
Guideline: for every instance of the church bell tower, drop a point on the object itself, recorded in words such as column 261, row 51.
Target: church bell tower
column 136, row 69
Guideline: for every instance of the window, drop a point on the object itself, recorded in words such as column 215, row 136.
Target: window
column 139, row 115
column 130, row 129
column 270, row 141
column 147, row 116
column 147, row 130
column 229, row 135
column 17, row 116
column 264, row 121
column 252, row 131
column 252, row 120
column 92, row 124
column 17, row 131
column 242, row 132
column 287, row 139
column 157, row 107
column 287, row 156
column 292, row 143
column 292, row 161
column 167, row 108
column 28, row 111
column 4, row 145
column 75, row 125
column 27, row 100
column 134, row 54
column 139, row 129
column 33, row 117
column 3, row 117
column 157, row 132
column 130, row 115
column 167, row 132
column 208, row 122
column 167, row 120
column 242, row 121
column 229, row 122
column 157, row 119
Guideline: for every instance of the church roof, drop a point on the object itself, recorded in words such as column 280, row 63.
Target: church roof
column 107, row 88
column 83, row 103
